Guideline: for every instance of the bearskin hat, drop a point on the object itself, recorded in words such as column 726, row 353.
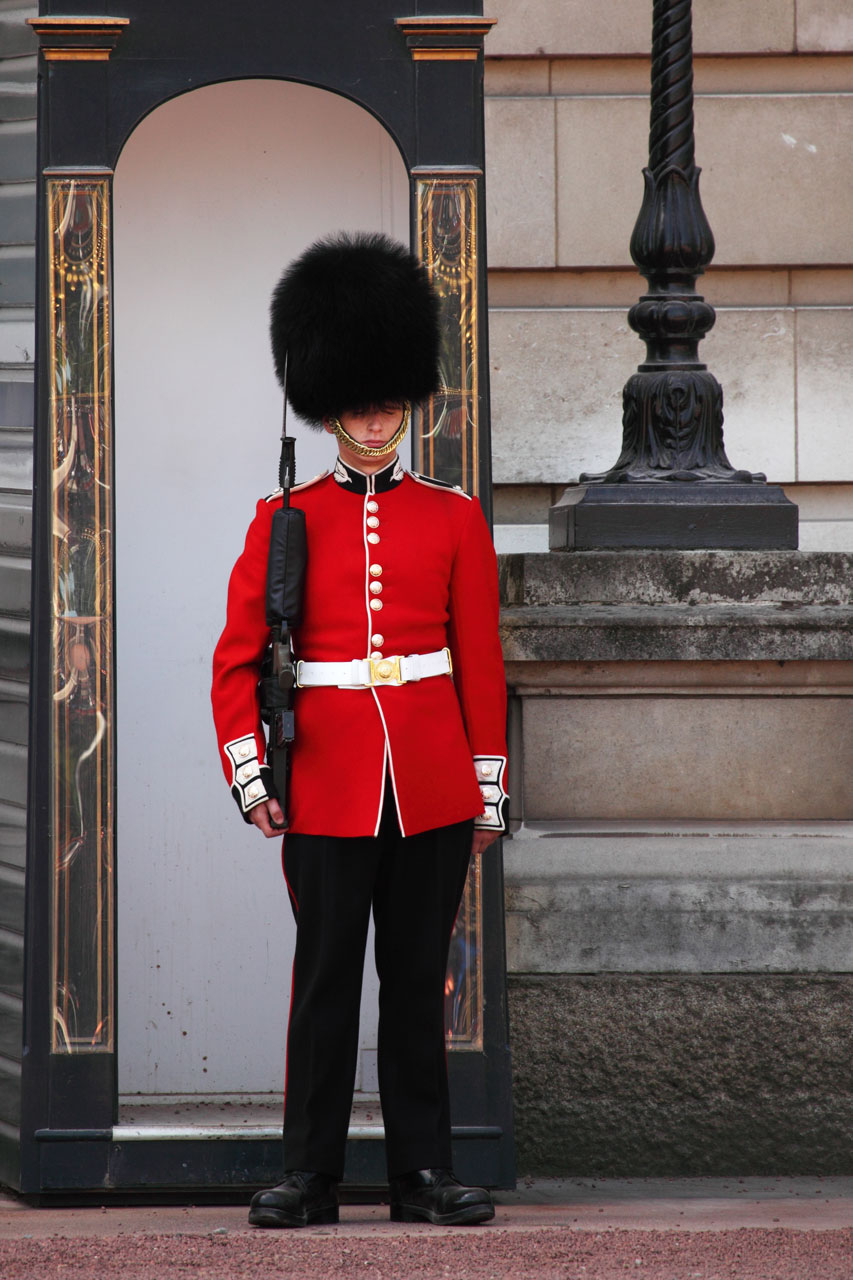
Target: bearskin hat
column 355, row 319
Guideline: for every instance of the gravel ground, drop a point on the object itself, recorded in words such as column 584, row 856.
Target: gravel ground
column 486, row 1253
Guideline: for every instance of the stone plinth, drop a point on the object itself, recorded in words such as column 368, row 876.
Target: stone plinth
column 678, row 876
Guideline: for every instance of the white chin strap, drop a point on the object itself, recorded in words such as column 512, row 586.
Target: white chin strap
column 373, row 451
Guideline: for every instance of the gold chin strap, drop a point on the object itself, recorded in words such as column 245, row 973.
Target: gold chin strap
column 368, row 451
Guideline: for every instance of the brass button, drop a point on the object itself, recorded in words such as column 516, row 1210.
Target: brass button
column 376, row 571
column 253, row 792
column 373, row 537
column 373, row 506
column 486, row 770
column 373, row 522
column 246, row 772
column 376, row 604
column 244, row 751
column 378, row 640
column 377, row 653
column 376, row 588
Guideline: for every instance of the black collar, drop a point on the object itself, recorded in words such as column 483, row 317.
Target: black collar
column 380, row 482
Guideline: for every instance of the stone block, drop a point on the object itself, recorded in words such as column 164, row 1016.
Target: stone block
column 531, row 28
column 602, row 146
column 516, row 77
column 700, row 580
column 832, row 502
column 520, row 193
column 674, row 1076
column 683, row 757
column 730, row 26
column 751, row 353
column 824, row 26
column 825, row 393
column 776, row 176
column 557, row 379
column 534, row 28
column 763, row 159
column 826, row 535
column 652, row 898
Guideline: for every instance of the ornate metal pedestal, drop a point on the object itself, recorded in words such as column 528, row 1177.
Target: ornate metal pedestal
column 673, row 485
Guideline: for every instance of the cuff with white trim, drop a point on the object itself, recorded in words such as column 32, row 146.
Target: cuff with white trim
column 251, row 781
column 490, row 775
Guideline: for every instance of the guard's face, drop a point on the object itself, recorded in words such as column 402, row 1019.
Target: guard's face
column 372, row 426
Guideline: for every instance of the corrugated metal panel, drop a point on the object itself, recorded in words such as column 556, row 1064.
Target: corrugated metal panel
column 10, row 1091
column 11, row 963
column 11, row 1027
column 18, row 71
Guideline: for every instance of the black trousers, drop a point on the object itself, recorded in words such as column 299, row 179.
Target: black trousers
column 414, row 887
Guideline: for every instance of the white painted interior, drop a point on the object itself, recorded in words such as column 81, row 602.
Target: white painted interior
column 202, row 230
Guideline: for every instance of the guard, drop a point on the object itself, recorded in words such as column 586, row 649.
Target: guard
column 399, row 758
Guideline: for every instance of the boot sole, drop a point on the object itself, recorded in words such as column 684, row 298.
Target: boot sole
column 468, row 1216
column 269, row 1217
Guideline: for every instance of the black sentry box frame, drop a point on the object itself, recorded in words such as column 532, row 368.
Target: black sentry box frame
column 419, row 69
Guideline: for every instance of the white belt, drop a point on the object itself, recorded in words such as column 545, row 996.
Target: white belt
column 363, row 673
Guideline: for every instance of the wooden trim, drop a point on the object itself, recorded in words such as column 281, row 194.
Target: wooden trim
column 74, row 39
column 445, row 39
column 452, row 26
column 445, row 55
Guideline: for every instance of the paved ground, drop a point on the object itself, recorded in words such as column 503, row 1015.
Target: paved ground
column 651, row 1229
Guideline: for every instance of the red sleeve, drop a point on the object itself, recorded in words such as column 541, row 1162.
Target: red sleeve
column 236, row 664
column 478, row 669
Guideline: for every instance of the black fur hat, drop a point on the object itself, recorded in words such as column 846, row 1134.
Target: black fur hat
column 356, row 318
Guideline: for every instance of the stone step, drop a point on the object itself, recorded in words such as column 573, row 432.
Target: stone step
column 17, row 275
column 18, row 151
column 16, row 461
column 17, row 40
column 17, row 99
column 676, row 578
column 16, row 524
column 18, row 213
column 17, row 337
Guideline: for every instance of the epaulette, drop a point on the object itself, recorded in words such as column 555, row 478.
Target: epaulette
column 432, row 483
column 306, row 484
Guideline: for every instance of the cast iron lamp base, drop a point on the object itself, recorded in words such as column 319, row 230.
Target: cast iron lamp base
column 677, row 515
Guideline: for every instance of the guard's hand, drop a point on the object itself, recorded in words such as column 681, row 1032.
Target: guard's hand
column 265, row 814
column 482, row 839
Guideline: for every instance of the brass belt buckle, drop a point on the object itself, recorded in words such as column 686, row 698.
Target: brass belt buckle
column 385, row 671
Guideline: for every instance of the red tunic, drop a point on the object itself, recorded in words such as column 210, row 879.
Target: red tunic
column 442, row 740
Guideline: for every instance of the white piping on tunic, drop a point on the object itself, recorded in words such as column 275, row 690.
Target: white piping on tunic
column 366, row 563
column 389, row 760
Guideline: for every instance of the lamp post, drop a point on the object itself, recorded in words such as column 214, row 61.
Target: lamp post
column 672, row 485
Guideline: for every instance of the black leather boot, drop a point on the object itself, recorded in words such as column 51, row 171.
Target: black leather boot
column 434, row 1195
column 301, row 1200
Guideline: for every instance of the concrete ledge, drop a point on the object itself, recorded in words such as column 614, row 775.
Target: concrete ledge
column 678, row 577
column 665, row 1076
column 587, row 897
column 570, row 633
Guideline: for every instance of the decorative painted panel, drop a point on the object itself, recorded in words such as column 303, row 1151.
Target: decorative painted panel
column 446, row 446
column 81, row 587
column 446, row 429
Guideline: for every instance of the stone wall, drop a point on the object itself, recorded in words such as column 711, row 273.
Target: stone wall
column 679, row 907
column 567, row 128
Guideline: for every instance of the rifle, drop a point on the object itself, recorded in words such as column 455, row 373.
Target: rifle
column 288, row 553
